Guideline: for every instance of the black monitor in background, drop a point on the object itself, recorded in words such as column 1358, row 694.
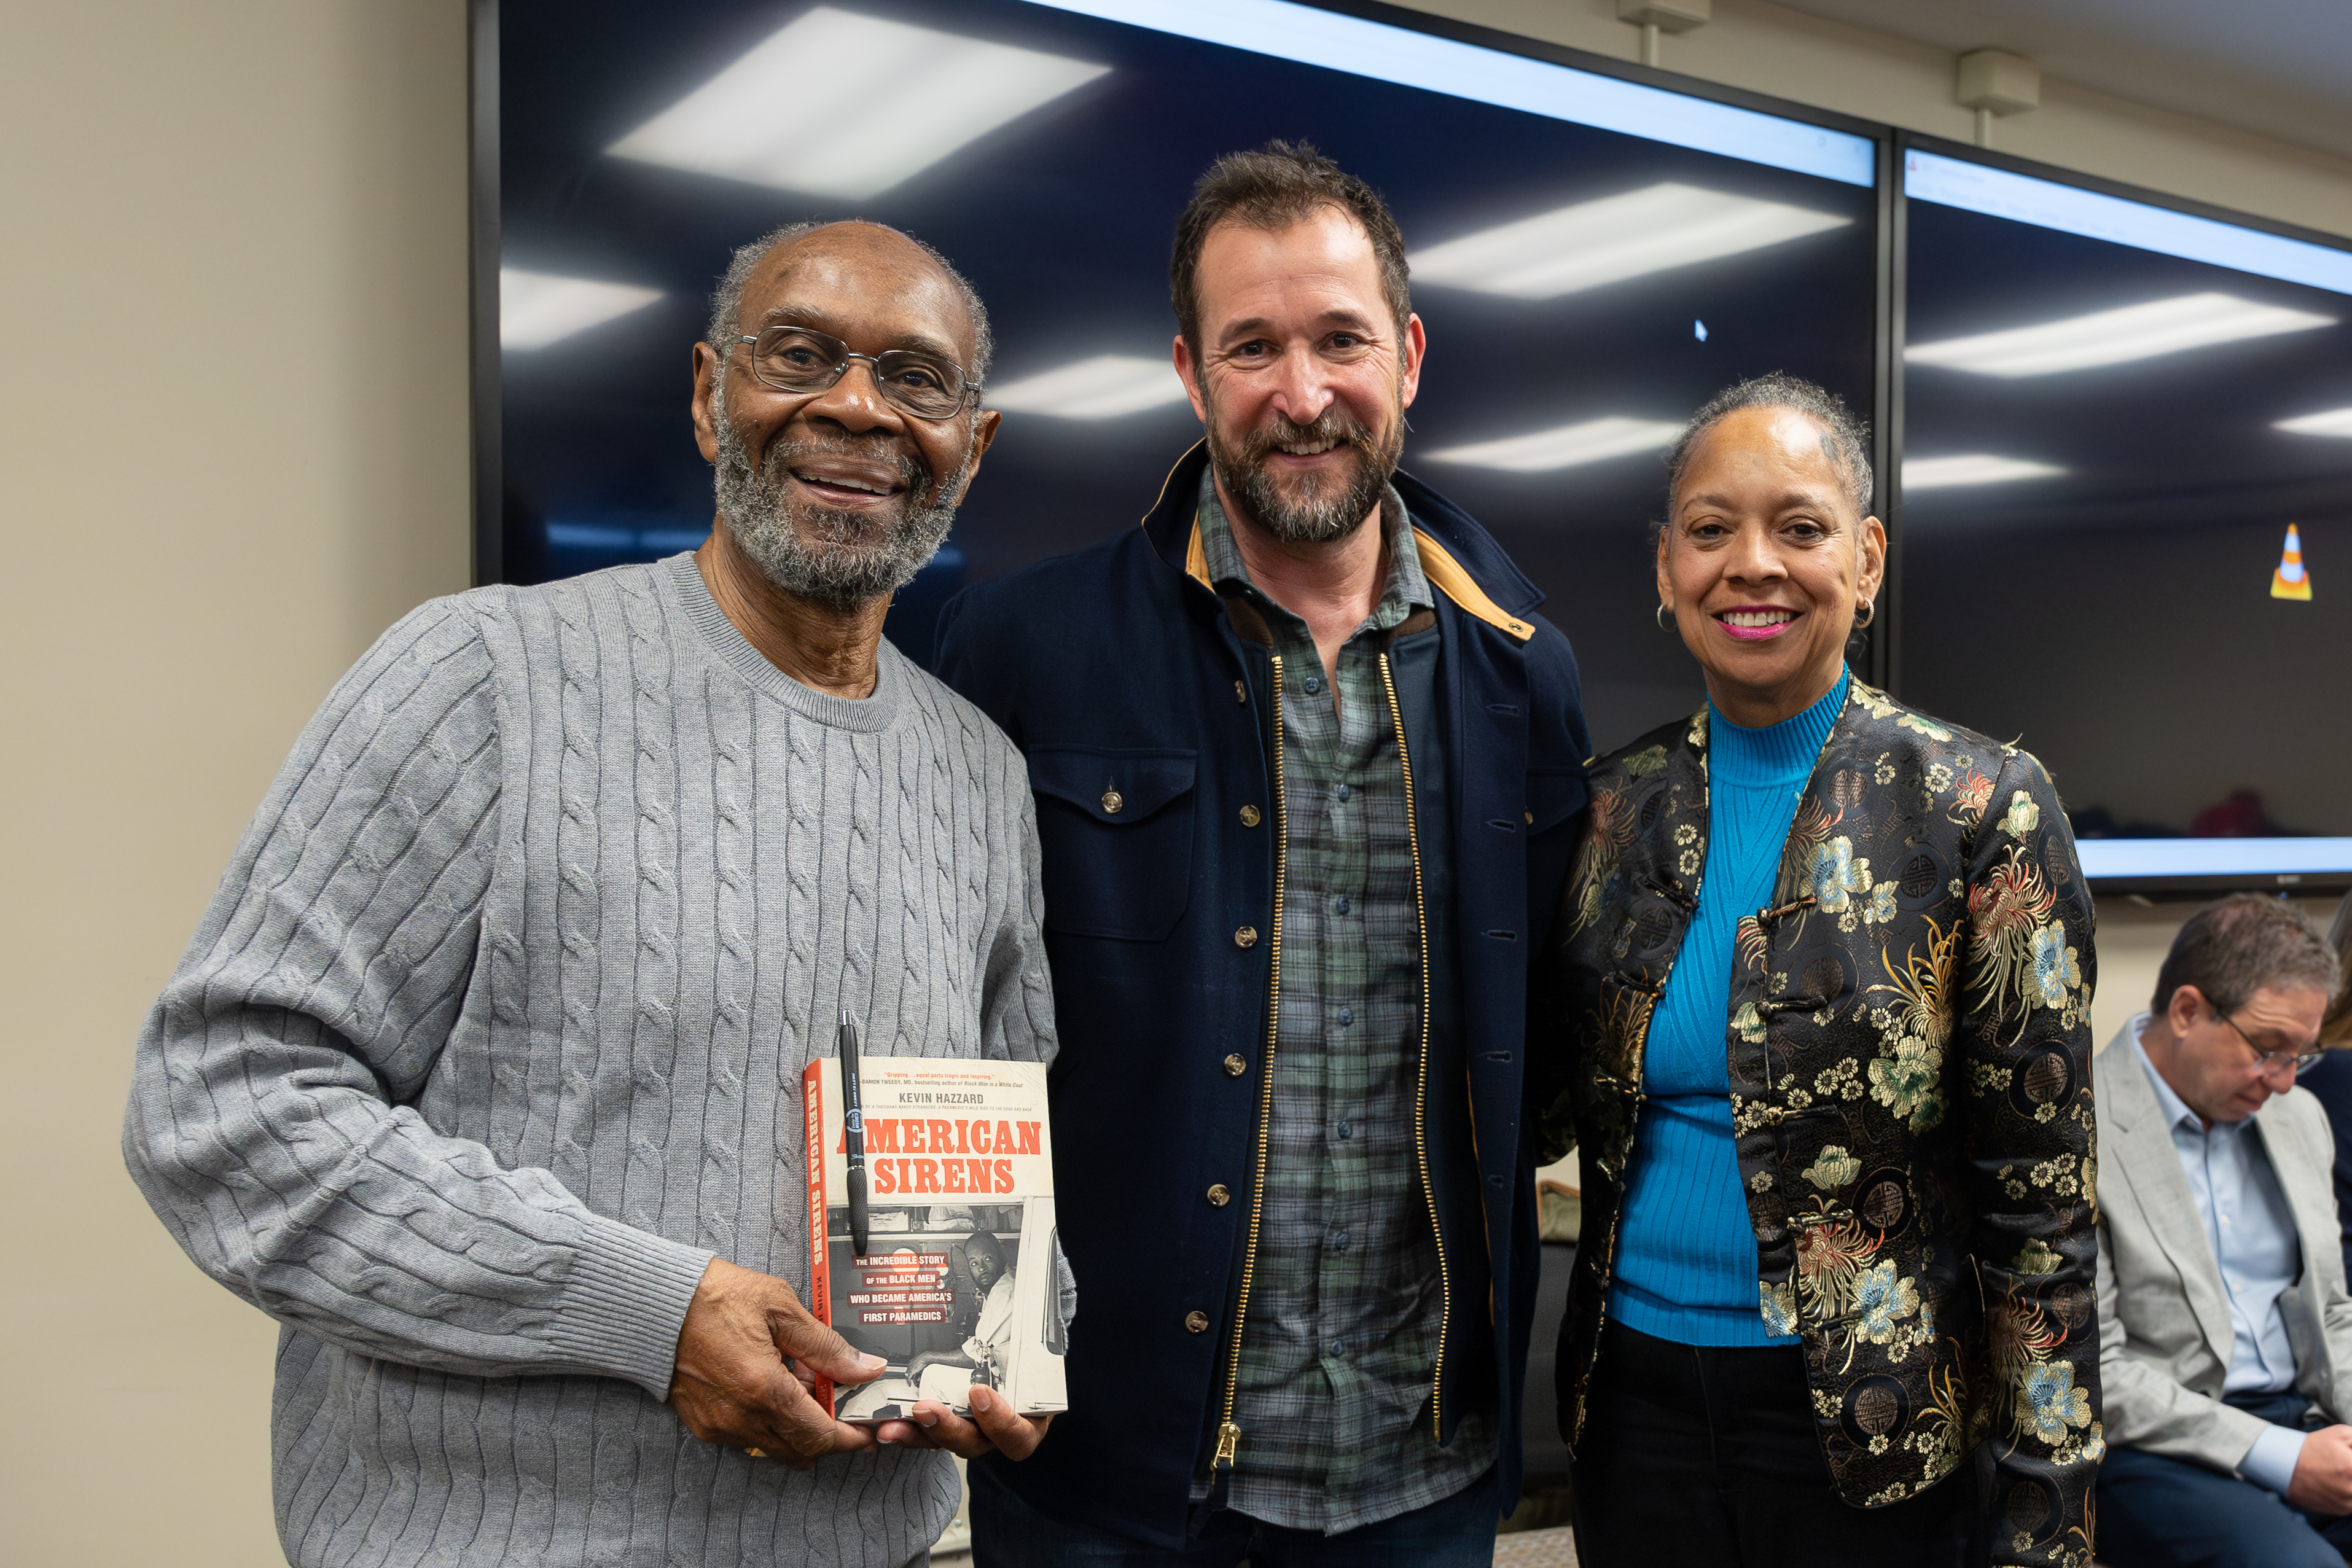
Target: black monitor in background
column 2127, row 517
column 1593, row 256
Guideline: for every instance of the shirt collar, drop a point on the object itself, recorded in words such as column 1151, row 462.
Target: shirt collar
column 1407, row 589
column 2177, row 1113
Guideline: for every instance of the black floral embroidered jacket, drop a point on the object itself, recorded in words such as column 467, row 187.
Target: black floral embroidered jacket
column 1909, row 1035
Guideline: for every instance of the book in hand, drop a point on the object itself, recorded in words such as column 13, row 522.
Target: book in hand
column 959, row 1284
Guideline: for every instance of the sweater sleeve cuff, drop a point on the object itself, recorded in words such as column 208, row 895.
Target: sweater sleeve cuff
column 625, row 1302
column 2271, row 1461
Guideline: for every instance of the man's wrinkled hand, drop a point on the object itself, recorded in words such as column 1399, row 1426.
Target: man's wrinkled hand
column 932, row 1424
column 745, row 1360
column 2323, row 1473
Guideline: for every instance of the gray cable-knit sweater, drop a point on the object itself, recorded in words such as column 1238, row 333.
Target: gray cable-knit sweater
column 493, row 1036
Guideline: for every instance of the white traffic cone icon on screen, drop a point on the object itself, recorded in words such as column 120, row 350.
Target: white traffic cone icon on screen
column 2289, row 580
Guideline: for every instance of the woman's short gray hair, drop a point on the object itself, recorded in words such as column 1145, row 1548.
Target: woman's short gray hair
column 1845, row 440
column 727, row 299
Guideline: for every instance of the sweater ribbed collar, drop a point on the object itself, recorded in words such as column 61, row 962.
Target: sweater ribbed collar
column 1779, row 753
column 865, row 716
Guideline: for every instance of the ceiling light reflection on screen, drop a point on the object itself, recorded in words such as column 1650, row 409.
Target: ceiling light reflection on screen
column 844, row 105
column 1109, row 386
column 1614, row 238
column 1971, row 468
column 536, row 308
column 1592, row 441
column 2115, row 337
column 2335, row 421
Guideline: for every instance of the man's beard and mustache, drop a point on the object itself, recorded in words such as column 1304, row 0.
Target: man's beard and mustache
column 1308, row 510
column 834, row 558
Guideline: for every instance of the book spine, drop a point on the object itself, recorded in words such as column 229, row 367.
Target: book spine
column 820, row 1301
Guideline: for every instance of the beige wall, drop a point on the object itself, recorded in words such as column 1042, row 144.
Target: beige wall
column 232, row 449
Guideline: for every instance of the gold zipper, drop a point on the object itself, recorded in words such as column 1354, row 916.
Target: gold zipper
column 1421, row 1096
column 1229, row 1434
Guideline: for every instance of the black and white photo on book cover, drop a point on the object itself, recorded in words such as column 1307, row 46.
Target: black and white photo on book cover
column 960, row 1283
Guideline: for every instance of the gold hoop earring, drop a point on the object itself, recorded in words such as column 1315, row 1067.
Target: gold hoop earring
column 1869, row 613
column 1660, row 617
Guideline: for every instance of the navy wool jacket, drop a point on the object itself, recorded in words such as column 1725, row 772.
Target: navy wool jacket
column 1144, row 710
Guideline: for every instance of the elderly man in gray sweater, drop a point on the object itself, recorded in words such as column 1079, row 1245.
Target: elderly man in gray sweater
column 481, row 1075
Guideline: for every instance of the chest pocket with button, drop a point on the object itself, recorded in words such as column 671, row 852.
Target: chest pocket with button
column 1114, row 831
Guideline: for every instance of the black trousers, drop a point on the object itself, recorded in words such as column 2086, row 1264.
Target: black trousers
column 1699, row 1454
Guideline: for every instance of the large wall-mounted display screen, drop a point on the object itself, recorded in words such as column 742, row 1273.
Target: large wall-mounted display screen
column 1592, row 258
column 2128, row 515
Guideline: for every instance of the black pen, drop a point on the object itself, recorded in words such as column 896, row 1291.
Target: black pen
column 853, row 1134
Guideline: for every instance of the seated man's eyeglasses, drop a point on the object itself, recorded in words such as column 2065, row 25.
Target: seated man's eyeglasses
column 796, row 360
column 2270, row 1058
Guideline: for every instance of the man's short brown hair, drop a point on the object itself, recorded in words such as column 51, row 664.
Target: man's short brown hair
column 2233, row 948
column 1279, row 185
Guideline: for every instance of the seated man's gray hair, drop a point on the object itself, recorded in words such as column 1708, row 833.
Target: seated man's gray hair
column 2246, row 942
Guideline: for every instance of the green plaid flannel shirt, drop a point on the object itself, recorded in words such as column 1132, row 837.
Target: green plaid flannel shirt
column 1342, row 1338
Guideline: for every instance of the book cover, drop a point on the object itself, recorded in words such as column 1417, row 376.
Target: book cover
column 958, row 1285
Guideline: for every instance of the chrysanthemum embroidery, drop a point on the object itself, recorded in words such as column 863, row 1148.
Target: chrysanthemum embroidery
column 1831, row 1254
column 1778, row 1303
column 2020, row 1335
column 1970, row 798
column 1922, row 982
column 2004, row 912
column 1609, row 827
column 1749, row 943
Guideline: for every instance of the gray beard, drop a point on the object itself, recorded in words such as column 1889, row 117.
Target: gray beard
column 1327, row 511
column 834, row 558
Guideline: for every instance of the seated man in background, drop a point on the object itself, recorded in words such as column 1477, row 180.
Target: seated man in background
column 482, row 1073
column 2225, row 1332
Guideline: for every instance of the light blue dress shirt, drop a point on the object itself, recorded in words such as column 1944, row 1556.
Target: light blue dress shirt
column 2252, row 1232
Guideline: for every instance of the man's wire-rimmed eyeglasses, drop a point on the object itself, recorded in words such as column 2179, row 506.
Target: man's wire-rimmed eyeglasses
column 797, row 360
column 2299, row 1060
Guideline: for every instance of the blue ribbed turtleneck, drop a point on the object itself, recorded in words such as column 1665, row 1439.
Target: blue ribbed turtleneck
column 1686, row 1249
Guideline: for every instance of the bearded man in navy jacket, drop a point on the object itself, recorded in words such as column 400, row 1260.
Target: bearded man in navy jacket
column 1307, row 771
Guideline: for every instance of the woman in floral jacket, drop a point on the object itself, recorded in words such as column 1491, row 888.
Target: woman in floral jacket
column 1823, row 987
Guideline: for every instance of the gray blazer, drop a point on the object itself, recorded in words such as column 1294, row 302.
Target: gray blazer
column 2165, row 1340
